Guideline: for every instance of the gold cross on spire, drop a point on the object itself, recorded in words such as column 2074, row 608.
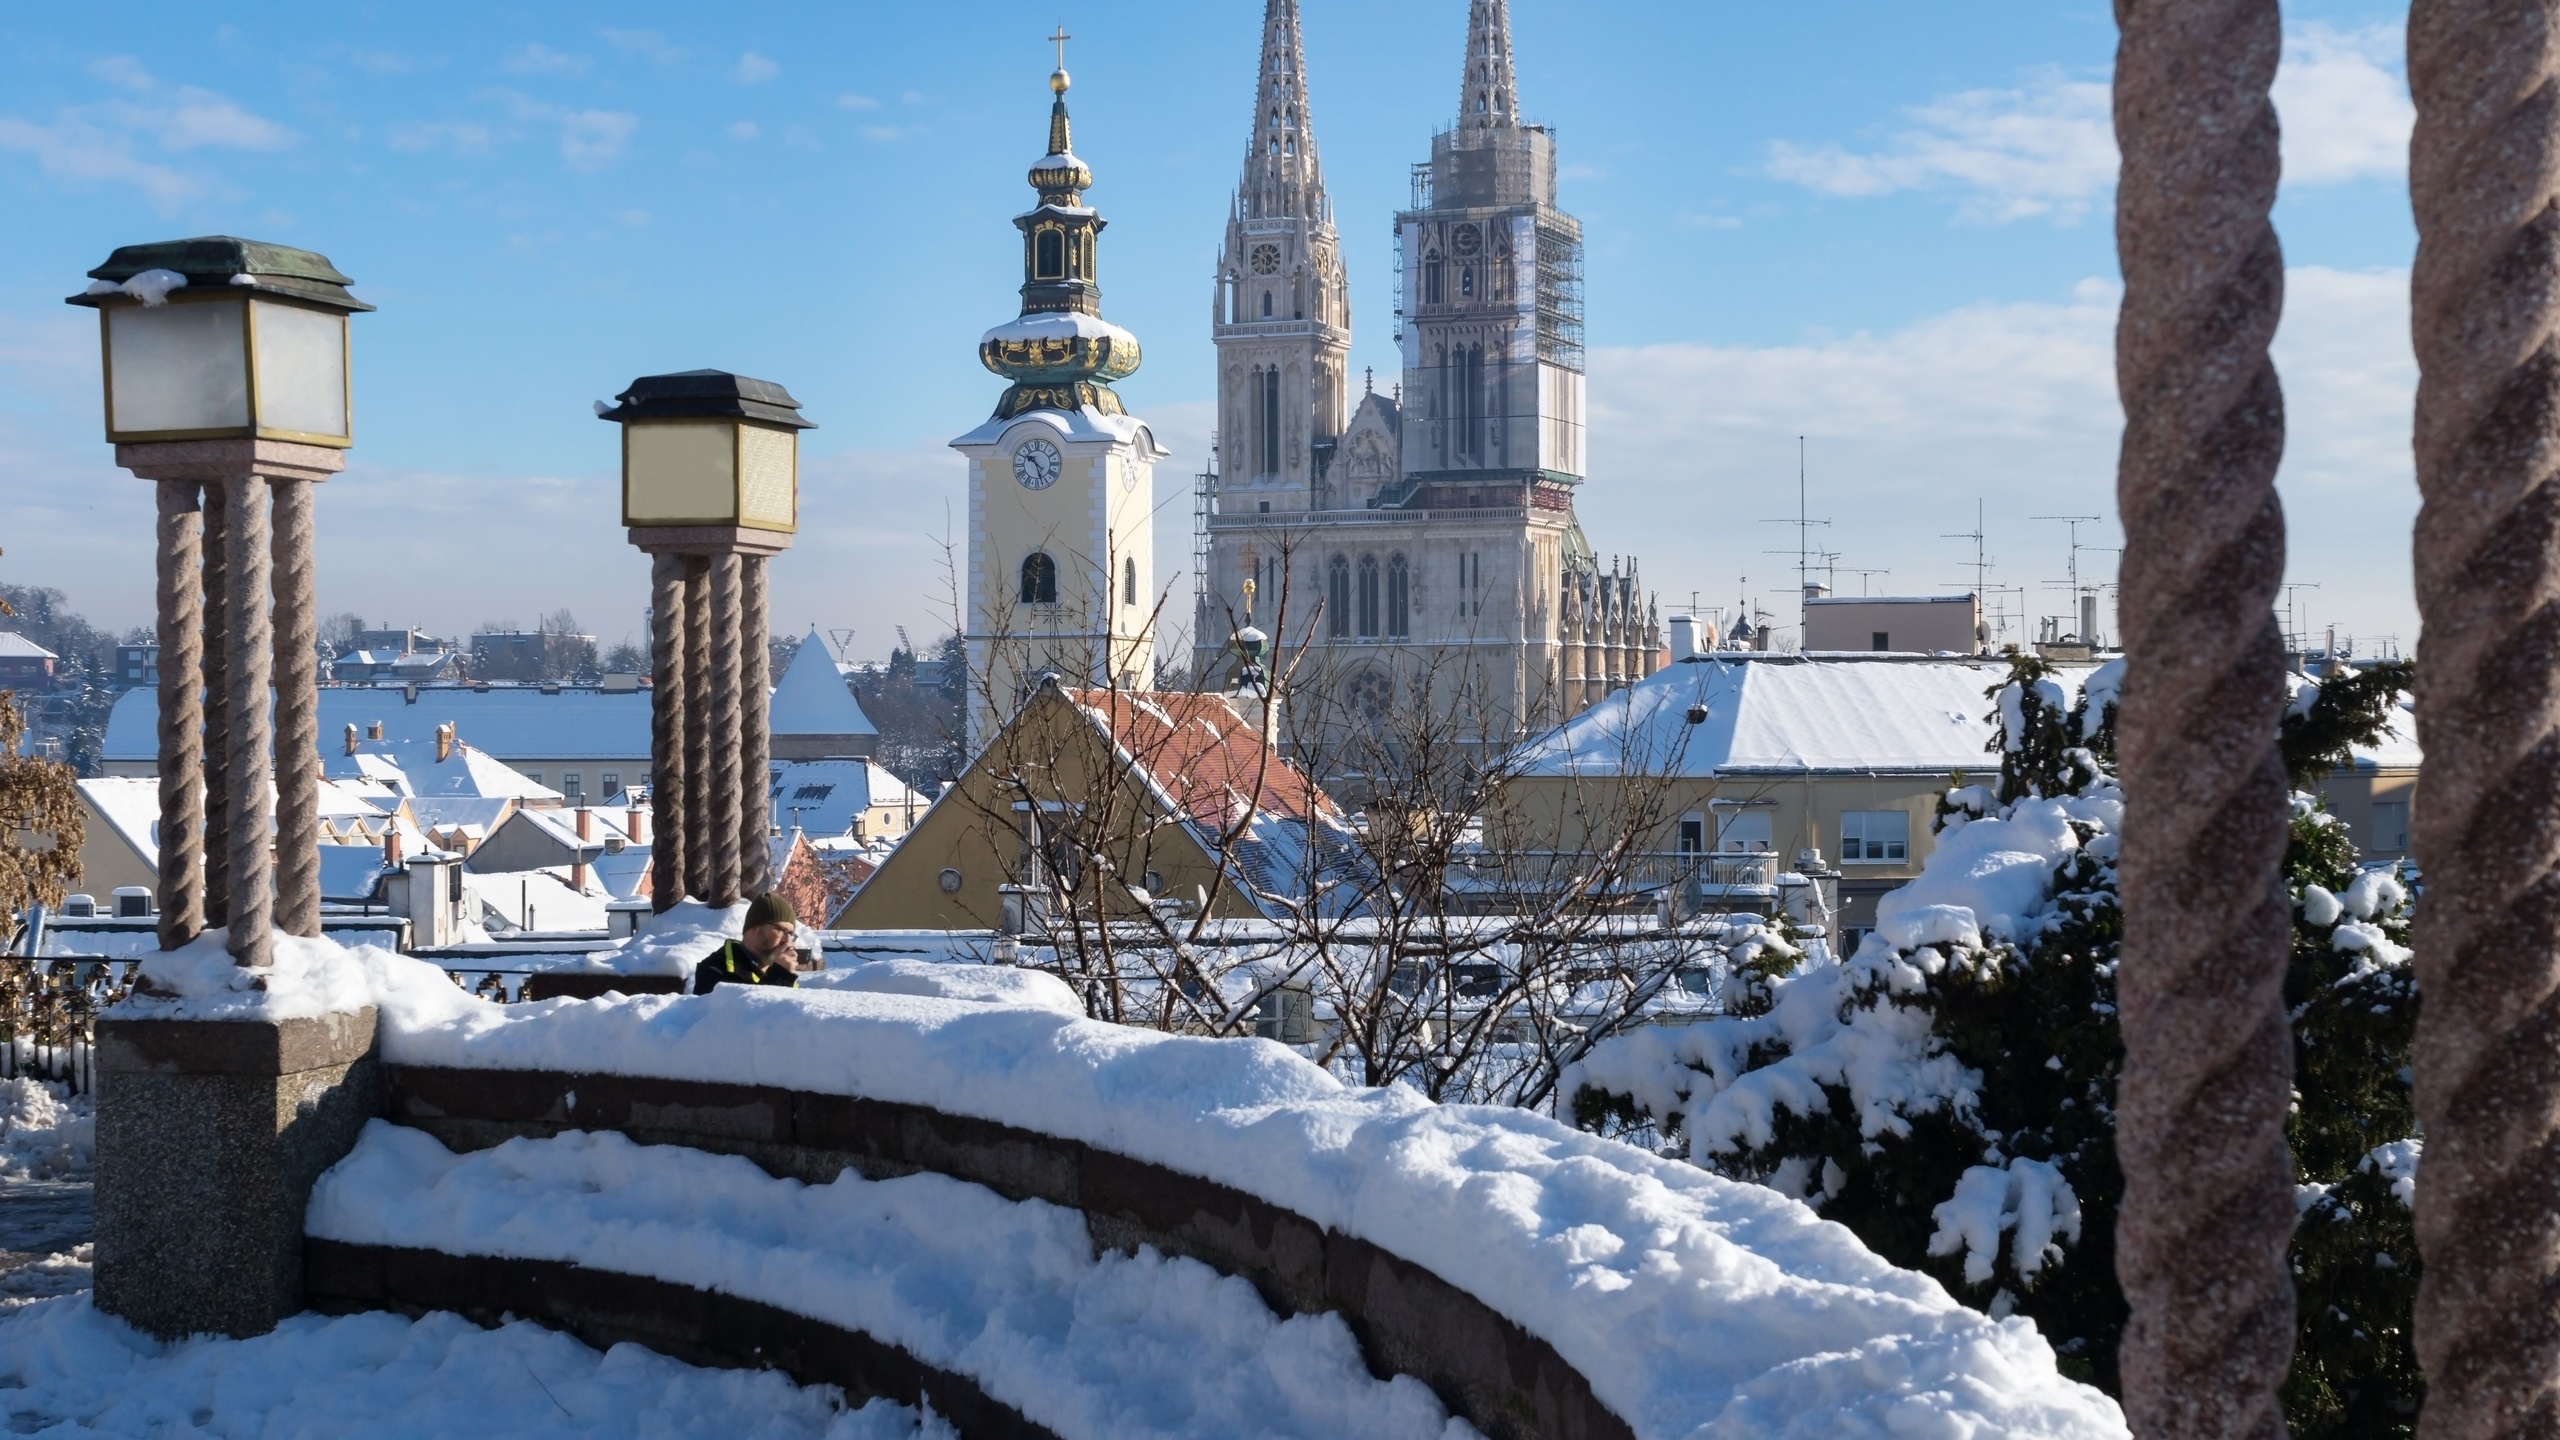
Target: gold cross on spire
column 1061, row 39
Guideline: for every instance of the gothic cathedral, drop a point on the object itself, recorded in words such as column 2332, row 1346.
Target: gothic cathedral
column 1420, row 548
column 1061, row 573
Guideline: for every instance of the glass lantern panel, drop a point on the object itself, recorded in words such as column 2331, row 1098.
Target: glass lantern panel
column 176, row 367
column 302, row 369
column 768, row 477
column 679, row 472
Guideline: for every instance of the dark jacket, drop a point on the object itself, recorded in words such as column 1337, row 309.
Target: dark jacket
column 735, row 964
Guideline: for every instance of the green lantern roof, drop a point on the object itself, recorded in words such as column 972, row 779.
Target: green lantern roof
column 210, row 260
column 705, row 394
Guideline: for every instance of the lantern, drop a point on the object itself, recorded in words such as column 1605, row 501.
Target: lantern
column 218, row 338
column 708, row 448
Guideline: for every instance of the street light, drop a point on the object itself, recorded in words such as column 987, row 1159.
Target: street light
column 708, row 448
column 218, row 338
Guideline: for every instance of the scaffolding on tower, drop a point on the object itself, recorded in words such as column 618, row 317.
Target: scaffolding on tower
column 1204, row 504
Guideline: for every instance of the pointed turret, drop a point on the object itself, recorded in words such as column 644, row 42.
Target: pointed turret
column 1487, row 97
column 1281, row 175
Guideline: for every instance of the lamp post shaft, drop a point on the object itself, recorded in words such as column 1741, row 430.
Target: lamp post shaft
column 669, row 602
column 755, row 740
column 297, row 678
column 721, row 818
column 697, row 735
column 180, row 617
column 216, row 647
column 248, row 674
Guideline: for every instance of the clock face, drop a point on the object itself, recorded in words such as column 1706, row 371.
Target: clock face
column 1266, row 259
column 1036, row 465
column 1466, row 240
column 1128, row 474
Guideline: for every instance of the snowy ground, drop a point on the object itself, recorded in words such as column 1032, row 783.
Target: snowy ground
column 68, row 1371
column 47, row 1142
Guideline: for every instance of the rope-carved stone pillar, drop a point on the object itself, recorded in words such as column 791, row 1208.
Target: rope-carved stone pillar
column 669, row 602
column 721, row 816
column 179, row 612
column 297, row 741
column 710, row 490
column 247, row 742
column 217, row 716
column 2484, row 181
column 2208, row 1208
column 755, row 732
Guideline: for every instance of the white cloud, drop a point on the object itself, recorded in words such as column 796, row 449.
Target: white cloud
column 742, row 130
column 2046, row 148
column 124, row 71
column 635, row 217
column 538, row 59
column 754, row 69
column 199, row 120
column 119, row 141
column 2344, row 103
column 886, row 133
column 589, row 139
column 648, row 44
column 75, row 150
column 851, row 101
column 462, row 137
column 2012, row 403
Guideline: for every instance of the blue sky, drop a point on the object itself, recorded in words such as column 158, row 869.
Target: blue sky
column 1884, row 227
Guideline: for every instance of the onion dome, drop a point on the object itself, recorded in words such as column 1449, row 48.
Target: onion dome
column 1059, row 352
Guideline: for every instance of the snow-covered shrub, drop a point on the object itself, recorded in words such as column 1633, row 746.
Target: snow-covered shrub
column 1949, row 1092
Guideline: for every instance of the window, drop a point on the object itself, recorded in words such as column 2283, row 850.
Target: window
column 609, row 784
column 1266, row 304
column 1872, row 837
column 1746, row 832
column 1337, row 600
column 2390, row 827
column 1399, row 598
column 1368, row 597
column 1039, row 579
column 1467, row 280
column 1693, row 833
column 1431, row 280
column 1884, row 641
column 1051, row 257
column 1128, row 579
column 573, row 787
column 534, row 775
column 1270, row 412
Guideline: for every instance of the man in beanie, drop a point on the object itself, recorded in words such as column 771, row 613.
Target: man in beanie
column 760, row 956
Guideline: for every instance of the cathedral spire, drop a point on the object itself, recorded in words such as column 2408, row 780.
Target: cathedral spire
column 1487, row 96
column 1281, row 176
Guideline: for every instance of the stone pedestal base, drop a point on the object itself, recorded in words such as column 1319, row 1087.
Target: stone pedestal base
column 210, row 1135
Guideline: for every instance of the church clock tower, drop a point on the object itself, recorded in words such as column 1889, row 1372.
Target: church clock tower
column 1062, row 478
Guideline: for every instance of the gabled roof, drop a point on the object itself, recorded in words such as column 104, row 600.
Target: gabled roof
column 812, row 698
column 411, row 768
column 14, row 646
column 822, row 797
column 518, row 722
column 1787, row 715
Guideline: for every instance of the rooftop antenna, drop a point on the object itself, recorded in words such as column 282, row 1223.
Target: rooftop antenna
column 1862, row 575
column 843, row 641
column 1804, row 524
column 2289, row 633
column 1981, row 558
column 2075, row 522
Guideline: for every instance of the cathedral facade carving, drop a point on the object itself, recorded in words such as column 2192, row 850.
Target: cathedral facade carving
column 1418, row 547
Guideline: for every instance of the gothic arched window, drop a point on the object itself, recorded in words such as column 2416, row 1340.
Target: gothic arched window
column 1368, row 597
column 1266, row 304
column 1039, row 579
column 1337, row 600
column 1128, row 579
column 1399, row 598
column 1051, row 245
column 1431, row 278
column 1467, row 280
column 1270, row 412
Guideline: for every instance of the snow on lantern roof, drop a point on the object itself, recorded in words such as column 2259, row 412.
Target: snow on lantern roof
column 812, row 698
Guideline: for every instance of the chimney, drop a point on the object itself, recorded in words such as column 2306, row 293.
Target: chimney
column 351, row 737
column 444, row 742
column 635, row 824
column 391, row 848
column 373, row 731
column 1684, row 637
column 586, row 831
column 2089, row 619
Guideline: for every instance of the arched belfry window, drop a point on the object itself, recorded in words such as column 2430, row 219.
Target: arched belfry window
column 1128, row 579
column 1467, row 281
column 1039, row 579
column 1337, row 600
column 1431, row 278
column 1368, row 597
column 1266, row 304
column 1051, row 259
column 1399, row 598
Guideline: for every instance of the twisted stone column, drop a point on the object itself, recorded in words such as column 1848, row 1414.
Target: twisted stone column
column 297, row 677
column 669, row 603
column 180, row 616
column 247, row 673
column 719, row 819
column 755, row 732
column 2484, row 181
column 217, row 713
column 2208, row 1206
column 697, row 734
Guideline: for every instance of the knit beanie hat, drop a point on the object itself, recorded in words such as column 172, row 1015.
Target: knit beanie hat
column 770, row 908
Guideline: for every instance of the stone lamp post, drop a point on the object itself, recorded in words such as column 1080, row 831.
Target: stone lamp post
column 710, row 490
column 226, row 374
column 225, row 364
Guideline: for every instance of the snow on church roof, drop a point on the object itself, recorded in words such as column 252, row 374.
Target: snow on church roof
column 812, row 698
column 1786, row 714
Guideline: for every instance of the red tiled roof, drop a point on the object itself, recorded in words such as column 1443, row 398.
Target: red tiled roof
column 1203, row 754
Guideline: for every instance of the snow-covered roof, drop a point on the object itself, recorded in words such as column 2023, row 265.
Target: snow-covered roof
column 131, row 807
column 411, row 768
column 518, row 723
column 14, row 646
column 822, row 797
column 1059, row 325
column 812, row 698
column 1787, row 714
column 2398, row 748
